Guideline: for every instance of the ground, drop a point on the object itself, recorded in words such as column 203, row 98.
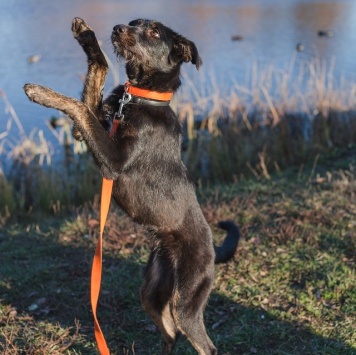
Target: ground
column 291, row 288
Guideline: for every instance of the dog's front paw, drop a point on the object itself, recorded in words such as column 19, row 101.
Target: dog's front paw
column 35, row 93
column 48, row 97
column 87, row 39
column 81, row 30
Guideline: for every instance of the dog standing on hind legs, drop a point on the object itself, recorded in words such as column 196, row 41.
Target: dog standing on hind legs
column 151, row 183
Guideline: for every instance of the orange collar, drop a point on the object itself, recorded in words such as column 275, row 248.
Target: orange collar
column 147, row 94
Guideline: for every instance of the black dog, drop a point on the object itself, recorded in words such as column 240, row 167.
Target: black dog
column 151, row 183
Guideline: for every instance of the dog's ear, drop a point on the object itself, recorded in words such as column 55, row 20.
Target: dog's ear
column 185, row 50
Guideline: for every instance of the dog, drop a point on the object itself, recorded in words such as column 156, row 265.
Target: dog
column 151, row 183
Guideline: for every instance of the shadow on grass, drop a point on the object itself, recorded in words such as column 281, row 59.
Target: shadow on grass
column 45, row 277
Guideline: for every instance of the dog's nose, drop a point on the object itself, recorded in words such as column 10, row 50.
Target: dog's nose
column 120, row 28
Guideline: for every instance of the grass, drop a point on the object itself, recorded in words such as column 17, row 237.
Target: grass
column 289, row 290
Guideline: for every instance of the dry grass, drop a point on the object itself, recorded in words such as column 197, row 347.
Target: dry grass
column 33, row 179
column 281, row 118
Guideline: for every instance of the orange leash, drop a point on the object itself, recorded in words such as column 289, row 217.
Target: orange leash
column 106, row 191
column 96, row 270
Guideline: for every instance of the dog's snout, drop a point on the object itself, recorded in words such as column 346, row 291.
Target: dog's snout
column 120, row 28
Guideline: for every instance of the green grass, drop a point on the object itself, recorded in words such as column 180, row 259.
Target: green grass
column 291, row 288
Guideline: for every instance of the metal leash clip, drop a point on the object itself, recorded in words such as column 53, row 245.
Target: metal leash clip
column 126, row 98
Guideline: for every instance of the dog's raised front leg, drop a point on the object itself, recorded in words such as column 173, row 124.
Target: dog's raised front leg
column 92, row 94
column 93, row 133
column 97, row 66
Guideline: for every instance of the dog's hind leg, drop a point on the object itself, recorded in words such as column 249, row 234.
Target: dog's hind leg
column 191, row 323
column 156, row 294
column 190, row 296
column 92, row 94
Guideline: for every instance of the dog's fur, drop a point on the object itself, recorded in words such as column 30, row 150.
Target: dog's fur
column 150, row 181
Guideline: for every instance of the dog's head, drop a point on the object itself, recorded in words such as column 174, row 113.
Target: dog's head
column 149, row 48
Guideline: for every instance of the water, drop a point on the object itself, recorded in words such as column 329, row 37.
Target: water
column 271, row 30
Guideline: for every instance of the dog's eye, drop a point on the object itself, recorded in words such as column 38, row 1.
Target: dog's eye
column 155, row 33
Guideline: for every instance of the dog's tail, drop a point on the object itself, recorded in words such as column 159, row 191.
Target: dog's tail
column 227, row 249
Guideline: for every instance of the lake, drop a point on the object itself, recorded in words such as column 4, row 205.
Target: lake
column 270, row 31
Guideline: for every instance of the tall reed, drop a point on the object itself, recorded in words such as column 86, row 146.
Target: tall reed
column 281, row 117
column 33, row 178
